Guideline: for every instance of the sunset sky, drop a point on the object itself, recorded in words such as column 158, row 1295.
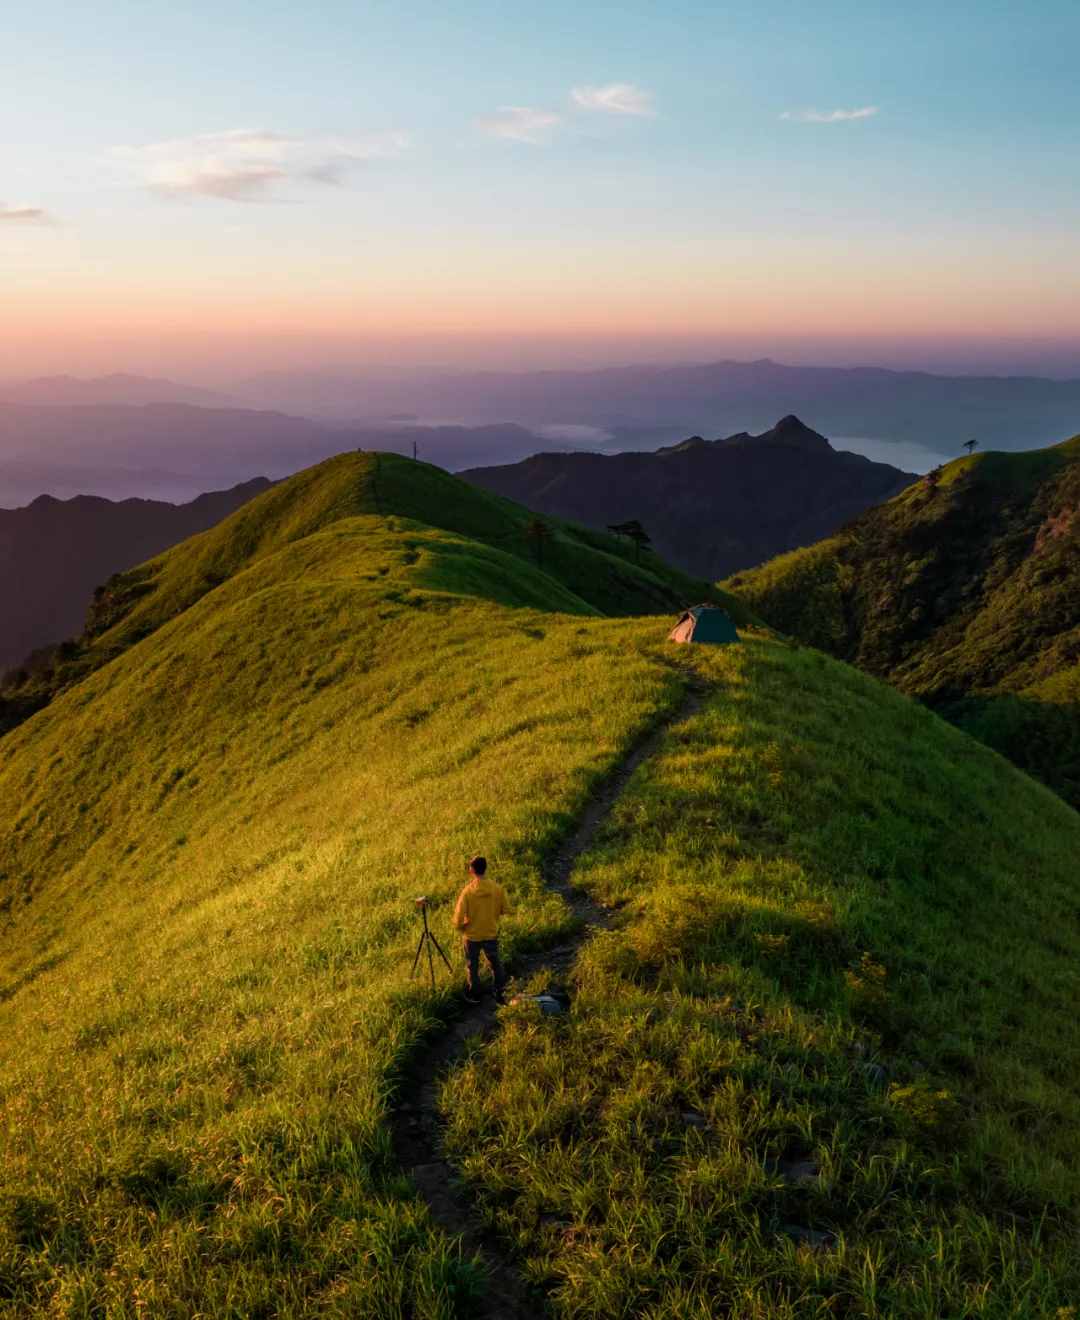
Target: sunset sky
column 212, row 187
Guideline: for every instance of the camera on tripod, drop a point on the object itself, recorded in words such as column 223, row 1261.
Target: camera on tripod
column 427, row 941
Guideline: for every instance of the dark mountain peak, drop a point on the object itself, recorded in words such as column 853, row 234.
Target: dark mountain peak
column 684, row 446
column 712, row 506
column 790, row 432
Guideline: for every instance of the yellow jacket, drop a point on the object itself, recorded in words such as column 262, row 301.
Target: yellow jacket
column 480, row 905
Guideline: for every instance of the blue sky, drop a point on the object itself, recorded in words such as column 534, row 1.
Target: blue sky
column 832, row 173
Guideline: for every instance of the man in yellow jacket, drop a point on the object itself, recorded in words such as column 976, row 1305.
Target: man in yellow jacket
column 480, row 905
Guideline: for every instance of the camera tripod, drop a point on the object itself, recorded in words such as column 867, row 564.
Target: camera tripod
column 428, row 938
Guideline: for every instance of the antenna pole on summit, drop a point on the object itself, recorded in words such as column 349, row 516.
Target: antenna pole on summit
column 414, row 451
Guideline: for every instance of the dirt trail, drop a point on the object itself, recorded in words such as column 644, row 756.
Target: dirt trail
column 416, row 1125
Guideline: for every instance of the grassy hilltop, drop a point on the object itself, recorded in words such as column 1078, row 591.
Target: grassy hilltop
column 964, row 590
column 595, row 568
column 837, row 1004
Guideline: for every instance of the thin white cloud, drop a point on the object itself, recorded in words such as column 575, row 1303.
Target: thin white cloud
column 617, row 98
column 830, row 116
column 245, row 165
column 24, row 215
column 520, row 123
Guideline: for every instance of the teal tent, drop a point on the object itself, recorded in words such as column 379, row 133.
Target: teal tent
column 704, row 623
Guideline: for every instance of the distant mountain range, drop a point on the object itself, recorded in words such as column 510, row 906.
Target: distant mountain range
column 55, row 552
column 965, row 592
column 120, row 388
column 124, row 435
column 175, row 451
column 646, row 403
column 711, row 507
column 635, row 407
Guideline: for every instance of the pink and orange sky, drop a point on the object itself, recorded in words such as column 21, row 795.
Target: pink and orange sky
column 239, row 186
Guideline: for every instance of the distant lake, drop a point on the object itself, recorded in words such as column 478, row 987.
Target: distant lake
column 900, row 453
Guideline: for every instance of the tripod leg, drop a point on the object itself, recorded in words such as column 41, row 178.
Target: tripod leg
column 441, row 954
column 431, row 963
column 417, row 958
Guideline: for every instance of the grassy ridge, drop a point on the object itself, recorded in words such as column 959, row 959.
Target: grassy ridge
column 832, row 1009
column 380, row 484
column 206, row 927
column 965, row 592
column 205, row 962
column 597, row 569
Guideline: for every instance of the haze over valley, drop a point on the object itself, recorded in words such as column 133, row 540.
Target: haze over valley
column 124, row 436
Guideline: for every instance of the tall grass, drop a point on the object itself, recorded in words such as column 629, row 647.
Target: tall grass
column 210, row 869
column 207, row 859
column 825, row 1063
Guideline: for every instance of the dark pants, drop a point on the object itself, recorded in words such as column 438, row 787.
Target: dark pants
column 490, row 950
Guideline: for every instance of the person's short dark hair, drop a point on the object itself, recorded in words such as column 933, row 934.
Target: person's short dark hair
column 478, row 865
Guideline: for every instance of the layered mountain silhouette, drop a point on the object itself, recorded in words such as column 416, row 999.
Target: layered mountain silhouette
column 53, row 553
column 119, row 388
column 963, row 591
column 712, row 507
column 174, row 451
column 936, row 412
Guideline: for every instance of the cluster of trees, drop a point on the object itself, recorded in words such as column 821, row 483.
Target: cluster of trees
column 539, row 534
column 634, row 531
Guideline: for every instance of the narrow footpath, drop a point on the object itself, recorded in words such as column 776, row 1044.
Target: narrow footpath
column 416, row 1124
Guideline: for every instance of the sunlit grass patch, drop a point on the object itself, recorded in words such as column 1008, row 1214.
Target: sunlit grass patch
column 823, row 1058
column 780, row 1084
column 197, row 1086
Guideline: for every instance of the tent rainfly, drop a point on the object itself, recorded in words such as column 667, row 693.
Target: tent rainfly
column 704, row 623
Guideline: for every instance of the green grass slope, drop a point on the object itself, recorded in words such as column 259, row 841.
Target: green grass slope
column 596, row 568
column 597, row 572
column 834, row 1014
column 206, row 871
column 965, row 593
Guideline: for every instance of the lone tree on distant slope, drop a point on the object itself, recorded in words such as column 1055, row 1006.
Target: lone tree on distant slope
column 969, row 445
column 634, row 531
column 539, row 533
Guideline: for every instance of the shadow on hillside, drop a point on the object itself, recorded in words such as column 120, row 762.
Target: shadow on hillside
column 1041, row 737
column 34, row 970
column 800, row 950
column 836, row 839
